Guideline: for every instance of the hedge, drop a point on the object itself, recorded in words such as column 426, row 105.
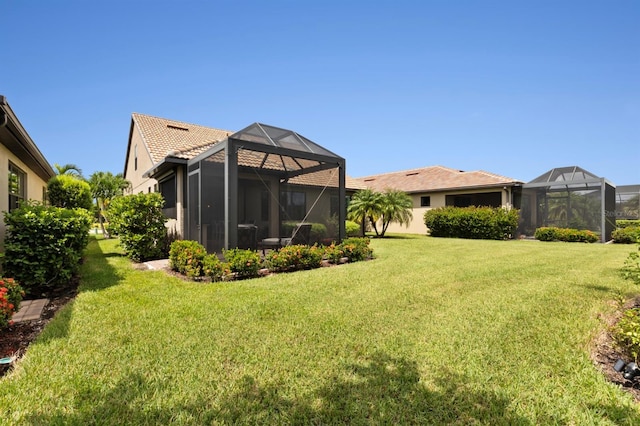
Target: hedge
column 489, row 223
column 565, row 234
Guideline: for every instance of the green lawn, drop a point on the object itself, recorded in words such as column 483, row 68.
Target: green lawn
column 433, row 331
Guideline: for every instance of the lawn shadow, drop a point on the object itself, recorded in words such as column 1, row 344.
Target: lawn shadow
column 384, row 390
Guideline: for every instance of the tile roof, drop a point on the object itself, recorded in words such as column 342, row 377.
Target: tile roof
column 434, row 178
column 183, row 140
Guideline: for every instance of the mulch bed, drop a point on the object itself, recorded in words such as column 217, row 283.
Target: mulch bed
column 16, row 338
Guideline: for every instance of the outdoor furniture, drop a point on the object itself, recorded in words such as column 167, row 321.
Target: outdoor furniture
column 247, row 236
column 299, row 235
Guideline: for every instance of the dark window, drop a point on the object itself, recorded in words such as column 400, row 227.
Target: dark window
column 168, row 190
column 135, row 157
column 425, row 201
column 293, row 204
column 487, row 199
column 17, row 186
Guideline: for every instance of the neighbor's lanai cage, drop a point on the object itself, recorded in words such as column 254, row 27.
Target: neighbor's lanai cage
column 260, row 182
column 568, row 197
column 628, row 202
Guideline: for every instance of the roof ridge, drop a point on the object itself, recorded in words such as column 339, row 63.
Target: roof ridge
column 407, row 171
column 179, row 121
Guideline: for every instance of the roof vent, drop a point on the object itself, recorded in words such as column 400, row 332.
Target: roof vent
column 412, row 174
column 369, row 180
column 177, row 127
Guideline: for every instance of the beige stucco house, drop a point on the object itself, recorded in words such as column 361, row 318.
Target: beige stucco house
column 274, row 174
column 438, row 186
column 24, row 172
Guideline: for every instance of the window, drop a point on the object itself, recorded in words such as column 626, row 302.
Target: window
column 487, row 199
column 293, row 204
column 17, row 186
column 425, row 201
column 168, row 190
column 135, row 157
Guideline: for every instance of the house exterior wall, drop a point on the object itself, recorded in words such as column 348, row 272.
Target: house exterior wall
column 35, row 188
column 135, row 169
column 438, row 199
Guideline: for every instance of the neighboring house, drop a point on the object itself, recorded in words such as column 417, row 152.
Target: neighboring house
column 219, row 185
column 24, row 171
column 438, row 186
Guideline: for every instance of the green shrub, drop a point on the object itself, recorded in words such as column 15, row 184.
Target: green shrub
column 625, row 223
column 69, row 192
column 626, row 235
column 44, row 245
column 490, row 223
column 140, row 224
column 352, row 229
column 551, row 233
column 626, row 333
column 356, row 249
column 295, row 257
column 186, row 257
column 214, row 268
column 244, row 263
column 10, row 297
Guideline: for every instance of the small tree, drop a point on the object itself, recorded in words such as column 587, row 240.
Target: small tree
column 396, row 207
column 365, row 205
column 105, row 187
column 139, row 221
column 69, row 169
column 69, row 192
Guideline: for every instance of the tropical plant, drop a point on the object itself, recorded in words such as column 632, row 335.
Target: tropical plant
column 10, row 297
column 68, row 169
column 366, row 205
column 396, row 207
column 105, row 186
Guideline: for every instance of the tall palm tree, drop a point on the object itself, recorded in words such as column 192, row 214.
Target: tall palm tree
column 104, row 187
column 365, row 205
column 396, row 207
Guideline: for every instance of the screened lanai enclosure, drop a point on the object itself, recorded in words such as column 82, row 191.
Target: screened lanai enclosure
column 628, row 202
column 260, row 183
column 568, row 197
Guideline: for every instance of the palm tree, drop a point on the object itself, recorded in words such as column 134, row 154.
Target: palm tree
column 69, row 169
column 365, row 205
column 104, row 187
column 396, row 207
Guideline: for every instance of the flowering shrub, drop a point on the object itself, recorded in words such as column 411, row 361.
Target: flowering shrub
column 356, row 249
column 10, row 297
column 565, row 234
column 245, row 263
column 187, row 257
column 626, row 235
column 295, row 257
column 213, row 268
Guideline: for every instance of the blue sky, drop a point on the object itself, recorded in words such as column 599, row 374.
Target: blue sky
column 511, row 87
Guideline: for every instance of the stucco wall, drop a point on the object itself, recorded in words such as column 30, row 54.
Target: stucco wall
column 35, row 185
column 134, row 173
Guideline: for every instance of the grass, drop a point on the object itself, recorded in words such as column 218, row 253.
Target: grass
column 434, row 331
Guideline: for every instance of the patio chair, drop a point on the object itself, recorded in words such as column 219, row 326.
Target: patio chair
column 299, row 235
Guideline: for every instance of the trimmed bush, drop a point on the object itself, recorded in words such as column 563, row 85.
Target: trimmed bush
column 626, row 235
column 244, row 263
column 139, row 222
column 295, row 257
column 214, row 268
column 69, row 192
column 354, row 249
column 10, row 297
column 44, row 245
column 551, row 233
column 186, row 257
column 352, row 229
column 488, row 223
column 625, row 223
